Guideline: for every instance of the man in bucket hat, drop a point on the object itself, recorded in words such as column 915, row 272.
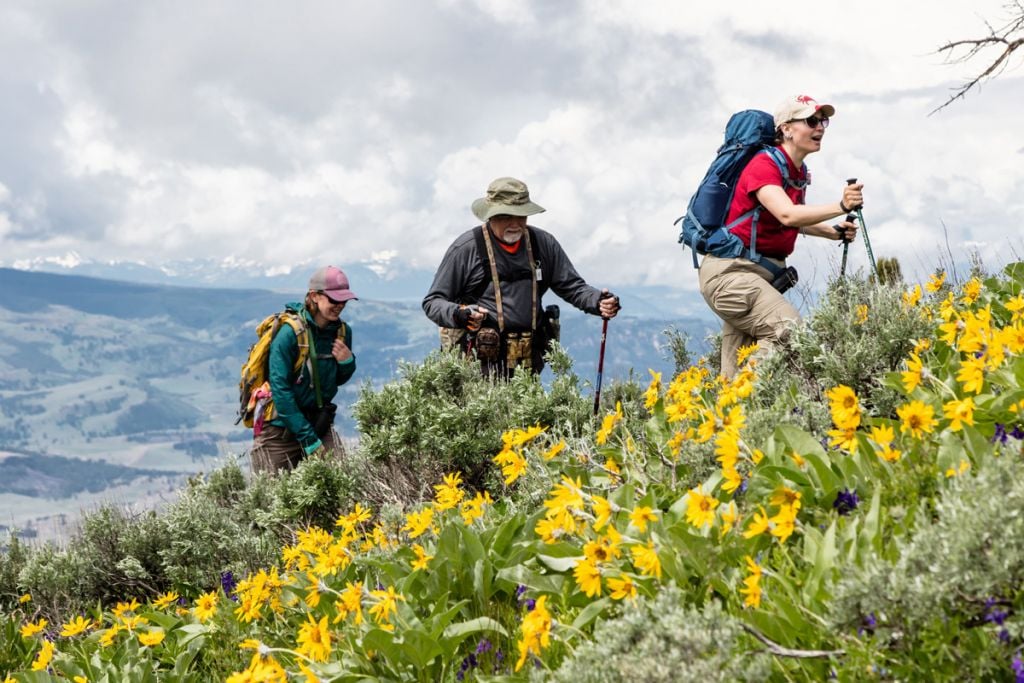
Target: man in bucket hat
column 486, row 294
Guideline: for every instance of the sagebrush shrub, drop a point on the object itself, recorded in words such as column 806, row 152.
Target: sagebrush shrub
column 664, row 641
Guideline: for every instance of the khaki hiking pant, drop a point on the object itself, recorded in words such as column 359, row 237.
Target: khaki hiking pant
column 740, row 292
column 277, row 449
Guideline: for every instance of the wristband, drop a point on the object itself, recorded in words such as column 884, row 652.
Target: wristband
column 844, row 208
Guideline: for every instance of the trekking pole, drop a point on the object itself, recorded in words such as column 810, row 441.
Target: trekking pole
column 867, row 242
column 600, row 366
column 846, row 242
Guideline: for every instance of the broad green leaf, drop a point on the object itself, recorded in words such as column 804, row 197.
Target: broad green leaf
column 590, row 612
column 560, row 564
column 461, row 630
column 419, row 648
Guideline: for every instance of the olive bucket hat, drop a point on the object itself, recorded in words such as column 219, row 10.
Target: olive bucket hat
column 505, row 197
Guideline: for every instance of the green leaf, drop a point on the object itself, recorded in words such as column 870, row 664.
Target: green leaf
column 471, row 543
column 419, row 648
column 460, row 631
column 382, row 642
column 559, row 564
column 590, row 612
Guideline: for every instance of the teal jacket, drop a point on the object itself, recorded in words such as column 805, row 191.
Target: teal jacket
column 294, row 392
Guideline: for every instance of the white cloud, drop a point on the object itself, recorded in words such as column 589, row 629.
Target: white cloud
column 355, row 131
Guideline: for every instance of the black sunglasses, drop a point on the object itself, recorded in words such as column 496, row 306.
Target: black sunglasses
column 333, row 301
column 813, row 121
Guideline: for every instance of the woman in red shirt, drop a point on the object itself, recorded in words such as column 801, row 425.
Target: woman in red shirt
column 739, row 290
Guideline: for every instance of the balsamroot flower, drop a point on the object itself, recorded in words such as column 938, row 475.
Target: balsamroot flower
column 959, row 413
column 917, row 418
column 752, row 584
column 206, row 606
column 536, row 631
column 700, row 508
column 314, row 640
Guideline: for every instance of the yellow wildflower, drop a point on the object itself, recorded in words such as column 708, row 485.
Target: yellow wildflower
column 936, row 281
column 206, row 606
column 640, row 516
column 27, row 597
column 971, row 291
column 536, row 630
column 622, row 587
column 602, row 511
column 784, row 523
column 550, row 453
column 917, row 418
column 314, row 640
column 959, row 413
column 844, row 406
column 911, row 297
column 608, row 424
column 645, row 558
column 745, row 352
column 752, row 585
column 861, row 314
column 123, row 607
column 588, row 577
column 32, row 628
column 513, row 464
column 914, row 374
column 700, row 508
column 386, row 605
column 473, row 509
column 416, row 523
column 421, row 557
column 729, row 516
column 758, row 525
column 151, row 638
column 43, row 657
column 77, row 625
column 165, row 600
column 972, row 374
column 449, row 494
column 653, row 390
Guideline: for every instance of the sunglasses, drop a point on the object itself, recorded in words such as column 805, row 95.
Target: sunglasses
column 333, row 301
column 813, row 121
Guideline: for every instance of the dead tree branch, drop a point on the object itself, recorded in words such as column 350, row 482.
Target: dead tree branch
column 1008, row 39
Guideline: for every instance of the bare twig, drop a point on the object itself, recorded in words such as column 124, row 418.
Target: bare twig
column 780, row 651
column 1004, row 37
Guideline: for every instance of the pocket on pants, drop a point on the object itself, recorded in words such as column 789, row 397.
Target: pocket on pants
column 733, row 299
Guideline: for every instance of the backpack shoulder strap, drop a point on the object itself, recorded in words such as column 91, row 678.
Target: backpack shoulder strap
column 295, row 321
column 780, row 161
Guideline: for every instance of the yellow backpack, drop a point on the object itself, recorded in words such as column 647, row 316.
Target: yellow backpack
column 254, row 397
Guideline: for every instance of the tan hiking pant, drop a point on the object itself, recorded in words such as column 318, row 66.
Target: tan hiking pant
column 740, row 292
column 277, row 449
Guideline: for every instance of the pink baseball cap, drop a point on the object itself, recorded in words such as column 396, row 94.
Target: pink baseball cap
column 333, row 282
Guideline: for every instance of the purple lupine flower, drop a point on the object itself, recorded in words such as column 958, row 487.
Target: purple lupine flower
column 996, row 617
column 846, row 502
column 483, row 646
column 743, row 488
column 1000, row 435
column 520, row 589
column 1004, row 636
column 228, row 582
column 1018, row 432
column 868, row 624
column 1018, row 669
column 499, row 656
column 530, row 604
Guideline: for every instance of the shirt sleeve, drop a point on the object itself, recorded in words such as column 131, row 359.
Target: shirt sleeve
column 284, row 350
column 761, row 171
column 460, row 273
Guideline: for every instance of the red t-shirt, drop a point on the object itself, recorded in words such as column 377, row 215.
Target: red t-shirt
column 773, row 239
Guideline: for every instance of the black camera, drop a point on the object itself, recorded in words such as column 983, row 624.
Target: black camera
column 322, row 418
column 785, row 279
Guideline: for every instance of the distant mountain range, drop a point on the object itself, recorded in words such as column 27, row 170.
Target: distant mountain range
column 380, row 280
column 143, row 376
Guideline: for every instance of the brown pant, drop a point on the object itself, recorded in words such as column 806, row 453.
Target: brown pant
column 740, row 292
column 277, row 449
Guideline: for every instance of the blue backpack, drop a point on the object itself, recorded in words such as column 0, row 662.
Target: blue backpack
column 748, row 133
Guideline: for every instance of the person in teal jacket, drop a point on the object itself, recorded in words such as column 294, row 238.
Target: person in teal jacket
column 305, row 414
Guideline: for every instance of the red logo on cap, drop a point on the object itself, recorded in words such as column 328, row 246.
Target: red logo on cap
column 804, row 99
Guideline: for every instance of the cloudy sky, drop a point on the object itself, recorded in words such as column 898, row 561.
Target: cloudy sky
column 282, row 134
